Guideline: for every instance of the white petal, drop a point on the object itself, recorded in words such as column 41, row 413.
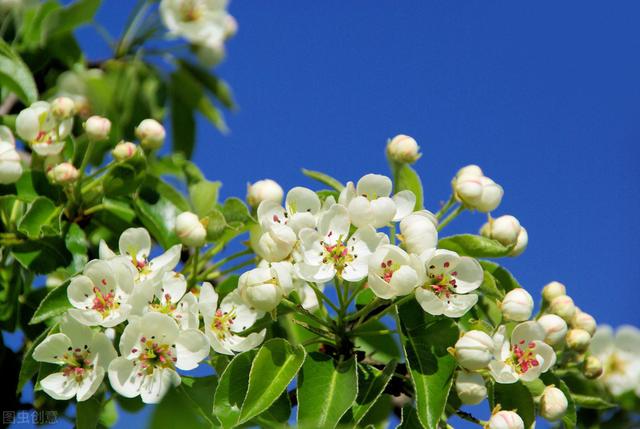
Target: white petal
column 245, row 315
column 374, row 186
column 174, row 285
column 405, row 202
column 602, row 340
column 78, row 333
column 384, row 210
column 379, row 287
column 208, row 301
column 101, row 275
column 628, row 339
column 124, row 379
column 102, row 348
column 269, row 212
column 469, row 274
column 404, row 280
column 52, row 348
column 545, row 354
column 301, row 199
column 361, row 212
column 104, row 252
column 192, row 347
column 186, row 313
column 86, row 317
column 80, row 292
column 59, row 387
column 347, row 194
column 526, row 332
column 430, row 302
column 334, row 222
column 502, row 373
column 355, row 271
column 155, row 386
column 167, row 261
column 315, row 273
column 458, row 305
column 90, row 383
column 136, row 243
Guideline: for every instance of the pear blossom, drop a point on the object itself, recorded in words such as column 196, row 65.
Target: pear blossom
column 38, row 126
column 264, row 190
column 555, row 328
column 553, row 403
column 83, row 356
column 264, row 288
column 169, row 297
column 419, row 232
column 403, row 148
column 151, row 134
column 97, row 128
column 101, row 293
column 10, row 165
column 369, row 202
column 504, row 229
column 517, row 305
column 553, row 290
column 524, row 357
column 190, row 230
column 300, row 210
column 521, row 242
column 470, row 388
column 273, row 242
column 152, row 347
column 198, row 21
column 619, row 356
column 563, row 306
column 475, row 190
column 505, row 420
column 63, row 173
column 578, row 339
column 474, row 350
column 124, row 150
column 63, row 108
column 393, row 272
column 223, row 323
column 449, row 279
column 330, row 251
column 584, row 321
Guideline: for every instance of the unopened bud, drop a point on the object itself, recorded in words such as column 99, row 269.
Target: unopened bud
column 151, row 134
column 63, row 173
column 63, row 108
column 521, row 242
column 578, row 340
column 553, row 404
column 470, row 388
column 563, row 306
column 553, row 290
column 517, row 305
column 264, row 190
column 582, row 320
column 555, row 328
column 475, row 190
column 504, row 229
column 230, row 27
column 419, row 231
column 403, row 149
column 124, row 150
column 190, row 230
column 264, row 288
column 592, row 367
column 97, row 128
column 505, row 420
column 474, row 350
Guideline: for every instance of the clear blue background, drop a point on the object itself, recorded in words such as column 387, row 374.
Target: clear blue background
column 545, row 97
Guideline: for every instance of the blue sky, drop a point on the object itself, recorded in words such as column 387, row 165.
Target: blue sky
column 545, row 97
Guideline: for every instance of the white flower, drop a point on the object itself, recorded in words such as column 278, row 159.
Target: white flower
column 505, row 420
column 135, row 244
column 330, row 251
column 97, row 128
column 63, row 173
column 563, row 306
column 273, row 242
column 448, row 282
column 124, row 150
column 619, row 355
column 553, row 403
column 223, row 323
column 578, row 340
column 300, row 209
column 584, row 321
column 525, row 357
column 555, row 328
column 10, row 165
column 264, row 190
column 470, row 388
column 151, row 134
column 553, row 290
column 393, row 272
column 369, row 203
column 151, row 348
column 419, row 232
column 475, row 190
column 63, row 108
column 100, row 294
column 84, row 356
column 169, row 297
column 38, row 126
column 403, row 148
column 264, row 288
column 504, row 229
column 198, row 21
column 517, row 305
column 190, row 230
column 474, row 350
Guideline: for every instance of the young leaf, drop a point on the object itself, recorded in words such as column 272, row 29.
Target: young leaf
column 326, row 390
column 371, row 384
column 426, row 339
column 16, row 76
column 232, row 388
column 159, row 219
column 68, row 18
column 204, row 196
column 88, row 413
column 77, row 244
column 41, row 218
column 502, row 276
column 592, row 402
column 187, row 405
column 474, row 245
column 54, row 304
column 29, row 366
column 408, row 179
column 236, row 212
column 273, row 368
column 42, row 256
column 324, row 179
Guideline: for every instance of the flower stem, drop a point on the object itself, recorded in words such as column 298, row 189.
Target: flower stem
column 445, row 208
column 194, row 268
column 300, row 309
column 378, row 316
column 454, row 214
column 321, row 296
column 366, row 309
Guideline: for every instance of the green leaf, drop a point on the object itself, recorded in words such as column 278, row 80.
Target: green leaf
column 88, row 413
column 275, row 365
column 120, row 209
column 426, row 339
column 326, row 390
column 155, row 185
column 122, row 180
column 29, row 366
column 371, row 384
column 109, row 414
column 408, row 179
column 183, row 122
column 409, row 418
column 42, row 256
column 570, row 418
column 204, row 196
column 54, row 304
column 215, row 224
column 218, row 87
column 236, row 212
column 277, row 415
column 67, row 19
column 592, row 402
column 489, row 287
column 474, row 245
column 512, row 397
column 77, row 243
column 380, row 348
column 16, row 76
column 502, row 276
column 324, row 179
column 232, row 388
column 159, row 218
column 14, row 281
column 187, row 405
column 41, row 218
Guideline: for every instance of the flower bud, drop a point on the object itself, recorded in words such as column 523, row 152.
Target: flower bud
column 491, row 195
column 553, row 404
column 264, row 288
column 97, row 128
column 151, row 134
column 230, row 26
column 63, row 108
column 264, row 190
column 582, row 320
column 10, row 165
column 505, row 420
column 190, row 230
column 475, row 190
column 578, row 340
column 474, row 350
column 521, row 243
column 554, row 327
column 470, row 388
column 274, row 244
column 63, row 173
column 517, row 305
column 504, row 229
column 124, row 150
column 563, row 306
column 419, row 231
column 403, row 149
column 592, row 367
column 553, row 290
